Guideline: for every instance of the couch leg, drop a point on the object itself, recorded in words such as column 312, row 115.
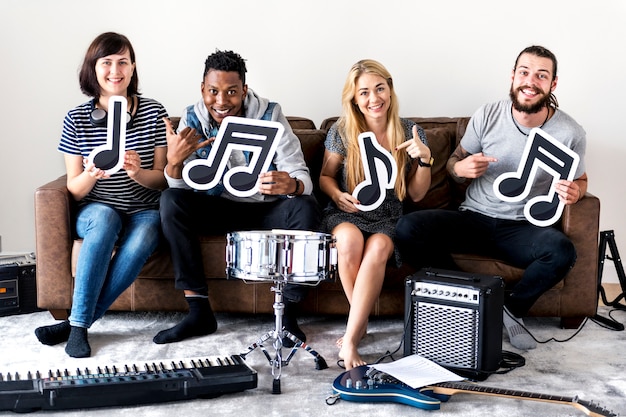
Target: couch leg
column 60, row 314
column 571, row 322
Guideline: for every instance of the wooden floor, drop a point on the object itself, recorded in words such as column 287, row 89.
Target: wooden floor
column 612, row 291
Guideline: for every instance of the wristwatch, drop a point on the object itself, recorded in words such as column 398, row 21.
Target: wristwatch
column 428, row 164
column 295, row 193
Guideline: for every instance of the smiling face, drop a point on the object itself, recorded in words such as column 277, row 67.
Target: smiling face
column 223, row 94
column 114, row 73
column 532, row 83
column 372, row 96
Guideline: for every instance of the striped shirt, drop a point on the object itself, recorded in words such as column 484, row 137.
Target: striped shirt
column 80, row 136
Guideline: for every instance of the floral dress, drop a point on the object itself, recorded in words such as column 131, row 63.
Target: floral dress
column 381, row 220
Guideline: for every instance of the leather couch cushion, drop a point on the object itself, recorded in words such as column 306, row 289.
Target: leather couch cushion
column 438, row 195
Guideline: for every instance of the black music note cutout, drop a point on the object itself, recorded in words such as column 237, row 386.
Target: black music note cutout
column 541, row 151
column 261, row 137
column 110, row 156
column 380, row 170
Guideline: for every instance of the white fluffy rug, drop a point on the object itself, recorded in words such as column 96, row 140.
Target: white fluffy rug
column 592, row 366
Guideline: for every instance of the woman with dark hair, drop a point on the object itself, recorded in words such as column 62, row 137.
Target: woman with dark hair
column 365, row 239
column 118, row 214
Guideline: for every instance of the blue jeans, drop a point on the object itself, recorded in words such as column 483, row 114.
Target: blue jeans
column 101, row 275
column 428, row 237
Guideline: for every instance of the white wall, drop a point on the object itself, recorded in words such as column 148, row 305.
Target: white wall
column 447, row 57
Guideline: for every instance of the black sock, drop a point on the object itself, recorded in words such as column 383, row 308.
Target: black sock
column 53, row 334
column 290, row 323
column 200, row 321
column 77, row 344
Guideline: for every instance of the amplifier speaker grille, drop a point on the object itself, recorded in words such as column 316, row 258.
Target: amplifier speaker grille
column 455, row 320
column 446, row 335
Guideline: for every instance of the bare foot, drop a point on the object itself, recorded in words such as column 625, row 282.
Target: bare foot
column 339, row 341
column 350, row 356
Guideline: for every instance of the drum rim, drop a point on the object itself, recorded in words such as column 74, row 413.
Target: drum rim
column 296, row 234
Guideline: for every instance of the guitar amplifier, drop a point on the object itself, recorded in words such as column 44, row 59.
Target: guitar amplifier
column 18, row 286
column 455, row 320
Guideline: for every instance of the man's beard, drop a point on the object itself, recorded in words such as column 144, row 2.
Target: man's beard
column 529, row 108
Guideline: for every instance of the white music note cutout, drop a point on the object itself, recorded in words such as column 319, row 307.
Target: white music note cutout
column 545, row 152
column 110, row 156
column 380, row 171
column 260, row 137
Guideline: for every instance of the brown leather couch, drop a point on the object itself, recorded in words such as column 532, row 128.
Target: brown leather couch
column 572, row 300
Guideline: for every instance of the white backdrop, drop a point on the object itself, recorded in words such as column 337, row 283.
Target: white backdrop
column 447, row 58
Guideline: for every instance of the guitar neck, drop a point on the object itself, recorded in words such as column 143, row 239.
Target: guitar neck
column 451, row 388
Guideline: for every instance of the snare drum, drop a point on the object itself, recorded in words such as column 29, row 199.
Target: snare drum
column 281, row 255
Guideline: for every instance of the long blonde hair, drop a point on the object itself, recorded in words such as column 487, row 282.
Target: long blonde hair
column 352, row 123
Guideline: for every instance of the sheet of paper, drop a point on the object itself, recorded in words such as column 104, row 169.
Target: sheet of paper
column 417, row 371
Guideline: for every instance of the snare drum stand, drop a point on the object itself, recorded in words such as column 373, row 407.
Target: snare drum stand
column 277, row 361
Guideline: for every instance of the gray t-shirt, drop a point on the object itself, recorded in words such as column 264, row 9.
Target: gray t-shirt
column 492, row 131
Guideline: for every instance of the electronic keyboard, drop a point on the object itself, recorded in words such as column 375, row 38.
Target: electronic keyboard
column 152, row 382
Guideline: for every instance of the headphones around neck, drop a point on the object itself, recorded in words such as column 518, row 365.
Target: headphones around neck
column 98, row 117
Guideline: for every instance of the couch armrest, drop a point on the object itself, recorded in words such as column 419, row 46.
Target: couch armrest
column 53, row 233
column 581, row 223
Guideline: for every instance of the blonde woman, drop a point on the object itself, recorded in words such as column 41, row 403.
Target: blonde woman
column 365, row 239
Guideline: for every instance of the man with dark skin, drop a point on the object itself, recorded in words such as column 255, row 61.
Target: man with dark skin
column 283, row 200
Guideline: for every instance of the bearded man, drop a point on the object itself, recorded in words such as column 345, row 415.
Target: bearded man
column 493, row 144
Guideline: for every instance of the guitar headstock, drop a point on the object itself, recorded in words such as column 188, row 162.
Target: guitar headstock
column 592, row 409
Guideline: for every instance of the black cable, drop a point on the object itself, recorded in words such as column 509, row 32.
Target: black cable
column 615, row 303
column 390, row 354
column 510, row 361
column 610, row 323
column 552, row 339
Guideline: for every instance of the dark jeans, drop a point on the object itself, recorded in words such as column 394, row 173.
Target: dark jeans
column 187, row 214
column 428, row 237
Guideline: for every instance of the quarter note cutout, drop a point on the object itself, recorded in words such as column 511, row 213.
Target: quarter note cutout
column 380, row 171
column 110, row 156
column 545, row 152
column 260, row 137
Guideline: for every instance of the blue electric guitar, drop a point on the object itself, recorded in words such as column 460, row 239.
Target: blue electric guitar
column 365, row 384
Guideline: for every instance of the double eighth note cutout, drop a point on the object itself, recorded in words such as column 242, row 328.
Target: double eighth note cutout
column 258, row 137
column 545, row 152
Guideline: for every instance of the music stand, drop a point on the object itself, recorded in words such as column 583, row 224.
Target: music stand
column 608, row 238
column 277, row 334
